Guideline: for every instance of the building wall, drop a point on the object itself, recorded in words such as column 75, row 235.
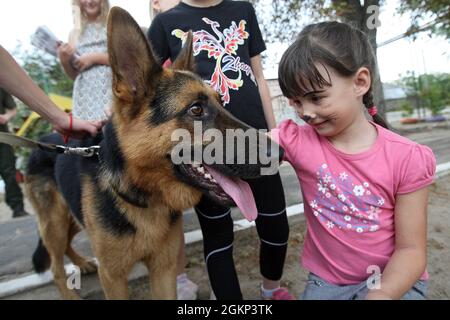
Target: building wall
column 395, row 104
column 280, row 105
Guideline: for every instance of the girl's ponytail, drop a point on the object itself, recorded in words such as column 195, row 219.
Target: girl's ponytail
column 372, row 109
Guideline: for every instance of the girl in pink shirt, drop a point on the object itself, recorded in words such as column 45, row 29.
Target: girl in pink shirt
column 364, row 187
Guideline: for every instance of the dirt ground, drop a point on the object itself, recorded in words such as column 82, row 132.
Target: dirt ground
column 246, row 254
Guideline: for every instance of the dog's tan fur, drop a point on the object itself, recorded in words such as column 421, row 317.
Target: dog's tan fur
column 158, row 229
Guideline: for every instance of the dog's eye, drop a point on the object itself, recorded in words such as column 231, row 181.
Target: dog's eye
column 196, row 110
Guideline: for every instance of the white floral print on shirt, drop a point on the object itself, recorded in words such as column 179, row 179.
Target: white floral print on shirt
column 343, row 202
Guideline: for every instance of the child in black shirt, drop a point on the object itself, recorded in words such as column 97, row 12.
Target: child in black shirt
column 227, row 46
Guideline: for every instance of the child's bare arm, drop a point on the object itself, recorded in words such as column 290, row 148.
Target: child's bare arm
column 90, row 59
column 263, row 91
column 409, row 260
column 65, row 54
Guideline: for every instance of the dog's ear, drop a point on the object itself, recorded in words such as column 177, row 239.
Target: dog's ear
column 134, row 67
column 185, row 59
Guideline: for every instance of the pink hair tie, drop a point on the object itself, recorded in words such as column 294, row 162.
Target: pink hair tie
column 372, row 110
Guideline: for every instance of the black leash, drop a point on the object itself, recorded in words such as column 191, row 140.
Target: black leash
column 17, row 141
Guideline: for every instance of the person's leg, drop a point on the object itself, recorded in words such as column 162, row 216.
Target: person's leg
column 217, row 228
column 319, row 289
column 13, row 193
column 418, row 292
column 273, row 230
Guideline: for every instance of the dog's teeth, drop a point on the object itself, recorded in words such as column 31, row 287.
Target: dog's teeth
column 208, row 176
column 214, row 180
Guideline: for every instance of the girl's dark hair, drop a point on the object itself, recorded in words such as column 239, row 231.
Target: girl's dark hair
column 334, row 44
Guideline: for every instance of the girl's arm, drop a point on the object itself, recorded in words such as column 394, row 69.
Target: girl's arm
column 263, row 91
column 65, row 54
column 409, row 260
column 89, row 59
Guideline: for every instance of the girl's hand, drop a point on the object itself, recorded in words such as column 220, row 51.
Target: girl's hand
column 65, row 52
column 85, row 61
column 378, row 295
column 108, row 111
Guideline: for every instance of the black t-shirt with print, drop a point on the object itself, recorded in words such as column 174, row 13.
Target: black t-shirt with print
column 226, row 36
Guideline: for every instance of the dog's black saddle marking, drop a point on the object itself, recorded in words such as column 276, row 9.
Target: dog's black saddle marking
column 109, row 216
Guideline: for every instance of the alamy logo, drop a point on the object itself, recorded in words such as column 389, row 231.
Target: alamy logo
column 374, row 281
column 372, row 21
column 74, row 279
column 241, row 147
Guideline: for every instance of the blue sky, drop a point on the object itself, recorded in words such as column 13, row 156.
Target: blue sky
column 20, row 18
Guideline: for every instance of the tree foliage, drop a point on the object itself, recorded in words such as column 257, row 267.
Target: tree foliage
column 45, row 70
column 431, row 89
column 283, row 20
column 437, row 11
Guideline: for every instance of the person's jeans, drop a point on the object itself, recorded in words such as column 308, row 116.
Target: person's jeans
column 319, row 289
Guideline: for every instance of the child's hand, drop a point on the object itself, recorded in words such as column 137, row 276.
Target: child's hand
column 65, row 52
column 85, row 61
column 108, row 111
column 378, row 295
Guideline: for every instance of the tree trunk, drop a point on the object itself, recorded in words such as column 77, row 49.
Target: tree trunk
column 356, row 15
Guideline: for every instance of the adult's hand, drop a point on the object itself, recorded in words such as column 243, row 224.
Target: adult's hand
column 80, row 128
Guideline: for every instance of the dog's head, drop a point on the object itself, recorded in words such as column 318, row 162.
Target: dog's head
column 155, row 106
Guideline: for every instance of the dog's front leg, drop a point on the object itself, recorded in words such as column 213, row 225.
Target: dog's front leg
column 163, row 284
column 114, row 279
column 162, row 266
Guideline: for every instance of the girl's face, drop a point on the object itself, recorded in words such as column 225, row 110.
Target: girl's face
column 164, row 5
column 91, row 8
column 332, row 109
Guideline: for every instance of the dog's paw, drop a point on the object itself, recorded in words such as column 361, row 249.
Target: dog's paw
column 70, row 295
column 88, row 266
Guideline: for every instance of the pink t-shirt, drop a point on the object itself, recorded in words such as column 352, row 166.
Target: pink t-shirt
column 349, row 199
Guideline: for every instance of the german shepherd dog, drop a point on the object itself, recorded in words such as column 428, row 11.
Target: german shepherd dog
column 130, row 197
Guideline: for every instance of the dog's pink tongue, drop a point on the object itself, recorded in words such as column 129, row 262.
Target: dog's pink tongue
column 239, row 191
